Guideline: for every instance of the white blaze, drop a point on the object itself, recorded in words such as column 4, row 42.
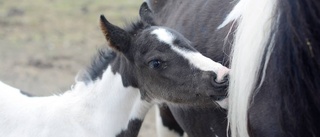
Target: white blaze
column 195, row 58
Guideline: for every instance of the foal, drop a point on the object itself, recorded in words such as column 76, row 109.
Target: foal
column 142, row 65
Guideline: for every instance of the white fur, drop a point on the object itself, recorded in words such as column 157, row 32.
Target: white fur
column 163, row 131
column 195, row 58
column 164, row 36
column 11, row 90
column 102, row 108
column 234, row 14
column 251, row 39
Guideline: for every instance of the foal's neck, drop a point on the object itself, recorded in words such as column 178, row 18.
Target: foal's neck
column 116, row 110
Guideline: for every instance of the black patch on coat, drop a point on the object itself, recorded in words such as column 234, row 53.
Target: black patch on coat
column 132, row 130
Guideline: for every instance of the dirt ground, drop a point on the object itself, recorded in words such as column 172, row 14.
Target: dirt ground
column 45, row 43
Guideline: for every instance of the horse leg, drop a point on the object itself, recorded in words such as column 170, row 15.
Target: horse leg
column 166, row 125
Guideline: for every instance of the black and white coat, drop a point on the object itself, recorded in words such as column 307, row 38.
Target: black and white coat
column 142, row 65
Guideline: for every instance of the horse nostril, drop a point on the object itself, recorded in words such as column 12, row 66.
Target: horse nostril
column 220, row 88
column 222, row 83
column 225, row 79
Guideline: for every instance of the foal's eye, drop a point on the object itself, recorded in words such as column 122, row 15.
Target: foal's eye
column 155, row 64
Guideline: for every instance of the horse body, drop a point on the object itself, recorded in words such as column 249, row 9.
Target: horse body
column 274, row 88
column 142, row 65
column 281, row 95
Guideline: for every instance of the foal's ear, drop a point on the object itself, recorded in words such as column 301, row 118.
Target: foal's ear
column 117, row 38
column 146, row 14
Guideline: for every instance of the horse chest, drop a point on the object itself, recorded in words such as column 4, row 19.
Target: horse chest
column 195, row 121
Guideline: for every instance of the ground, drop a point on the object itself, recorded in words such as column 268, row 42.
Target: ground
column 45, row 43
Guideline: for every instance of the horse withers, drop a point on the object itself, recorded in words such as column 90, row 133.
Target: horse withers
column 143, row 64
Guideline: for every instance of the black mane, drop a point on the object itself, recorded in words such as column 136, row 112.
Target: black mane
column 135, row 27
column 99, row 63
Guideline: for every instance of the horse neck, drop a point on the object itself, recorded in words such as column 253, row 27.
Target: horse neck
column 115, row 106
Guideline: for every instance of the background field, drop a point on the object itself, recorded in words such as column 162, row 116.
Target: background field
column 44, row 43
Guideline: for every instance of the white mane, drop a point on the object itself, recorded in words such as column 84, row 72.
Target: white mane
column 250, row 42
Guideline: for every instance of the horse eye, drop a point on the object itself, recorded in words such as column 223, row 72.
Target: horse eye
column 155, row 64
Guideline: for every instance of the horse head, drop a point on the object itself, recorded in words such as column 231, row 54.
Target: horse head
column 164, row 65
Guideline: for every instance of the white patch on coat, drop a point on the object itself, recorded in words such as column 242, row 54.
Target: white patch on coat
column 234, row 14
column 9, row 89
column 196, row 59
column 102, row 108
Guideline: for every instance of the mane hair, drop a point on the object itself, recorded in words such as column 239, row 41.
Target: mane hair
column 288, row 31
column 98, row 64
column 135, row 27
column 250, row 44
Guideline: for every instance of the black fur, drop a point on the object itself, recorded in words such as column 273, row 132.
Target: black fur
column 287, row 103
column 132, row 129
column 99, row 63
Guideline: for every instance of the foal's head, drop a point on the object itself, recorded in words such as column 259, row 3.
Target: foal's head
column 163, row 64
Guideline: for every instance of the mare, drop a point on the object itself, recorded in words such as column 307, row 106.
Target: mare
column 141, row 65
column 275, row 61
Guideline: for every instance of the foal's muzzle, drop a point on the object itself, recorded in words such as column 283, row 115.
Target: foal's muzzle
column 220, row 87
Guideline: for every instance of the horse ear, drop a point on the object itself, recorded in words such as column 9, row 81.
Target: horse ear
column 117, row 38
column 146, row 14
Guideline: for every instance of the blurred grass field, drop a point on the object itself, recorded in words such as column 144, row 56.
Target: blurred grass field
column 59, row 35
column 44, row 43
